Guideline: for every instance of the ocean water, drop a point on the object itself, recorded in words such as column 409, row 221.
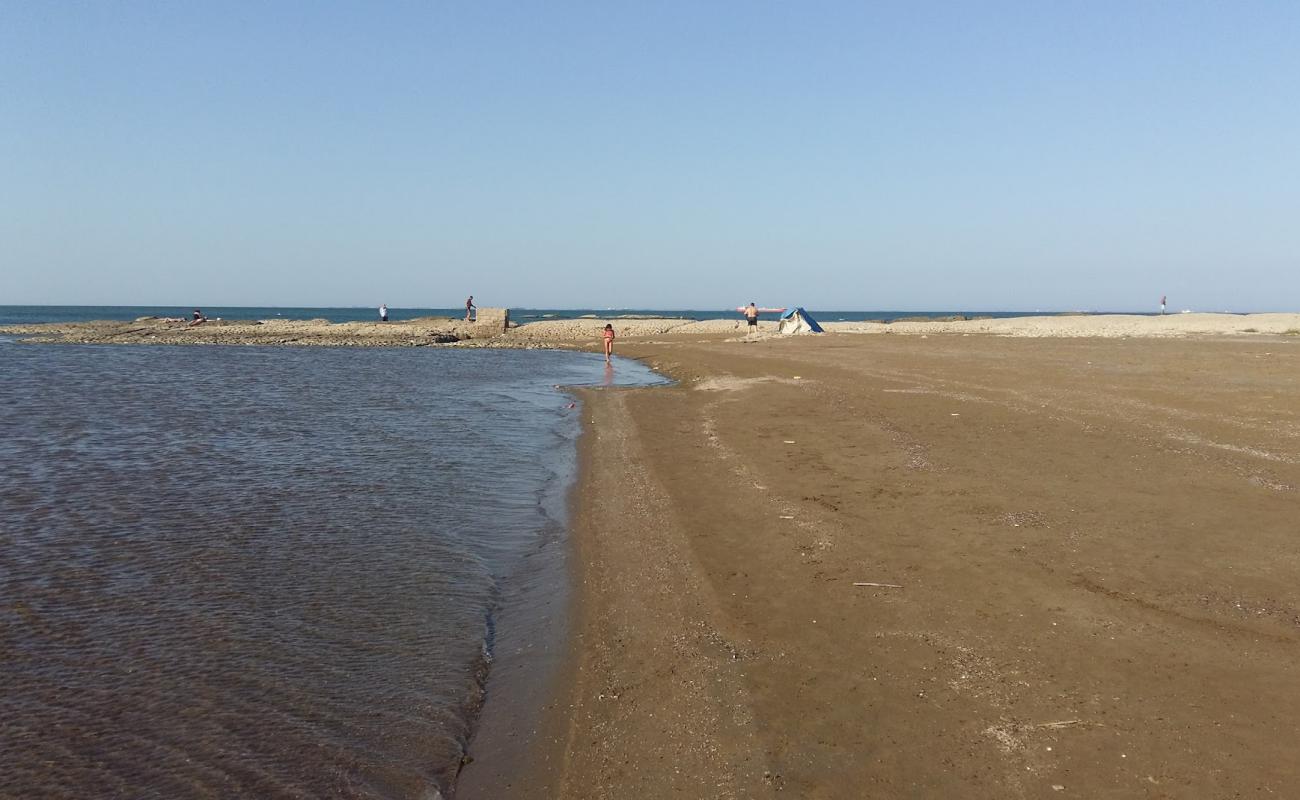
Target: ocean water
column 27, row 315
column 265, row 572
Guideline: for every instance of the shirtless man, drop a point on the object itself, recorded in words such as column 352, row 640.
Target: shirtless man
column 751, row 315
column 469, row 309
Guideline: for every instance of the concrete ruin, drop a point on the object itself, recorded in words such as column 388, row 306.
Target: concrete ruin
column 490, row 322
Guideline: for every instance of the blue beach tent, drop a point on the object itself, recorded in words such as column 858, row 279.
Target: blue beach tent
column 796, row 320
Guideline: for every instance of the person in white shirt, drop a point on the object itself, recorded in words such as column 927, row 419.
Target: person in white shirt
column 383, row 312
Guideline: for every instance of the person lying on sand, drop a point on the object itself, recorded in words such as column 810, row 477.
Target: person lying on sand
column 199, row 319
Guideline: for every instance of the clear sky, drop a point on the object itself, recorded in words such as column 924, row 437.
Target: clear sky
column 848, row 155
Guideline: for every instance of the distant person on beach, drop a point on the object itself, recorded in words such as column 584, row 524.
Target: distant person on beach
column 199, row 319
column 608, row 334
column 470, row 308
column 383, row 312
column 751, row 315
column 1162, row 305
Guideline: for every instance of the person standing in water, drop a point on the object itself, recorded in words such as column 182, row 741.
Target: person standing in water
column 469, row 309
column 608, row 335
column 383, row 312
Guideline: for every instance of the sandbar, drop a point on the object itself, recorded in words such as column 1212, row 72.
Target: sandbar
column 935, row 566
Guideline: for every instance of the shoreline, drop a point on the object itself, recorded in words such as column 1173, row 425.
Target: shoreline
column 532, row 643
column 1036, row 527
column 534, row 646
column 569, row 333
column 602, row 554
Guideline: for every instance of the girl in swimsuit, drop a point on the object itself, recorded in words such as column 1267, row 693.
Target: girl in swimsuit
column 609, row 341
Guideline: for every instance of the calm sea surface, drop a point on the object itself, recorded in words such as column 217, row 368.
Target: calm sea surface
column 28, row 315
column 264, row 572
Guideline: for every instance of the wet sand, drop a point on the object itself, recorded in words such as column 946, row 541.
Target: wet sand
column 1089, row 550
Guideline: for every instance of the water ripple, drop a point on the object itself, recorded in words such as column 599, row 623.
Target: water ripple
column 261, row 572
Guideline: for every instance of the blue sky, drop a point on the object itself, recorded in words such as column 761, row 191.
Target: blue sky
column 1036, row 155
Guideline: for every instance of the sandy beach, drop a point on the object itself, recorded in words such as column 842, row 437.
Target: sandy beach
column 934, row 566
column 1032, row 557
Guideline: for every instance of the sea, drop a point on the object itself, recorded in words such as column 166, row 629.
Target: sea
column 265, row 572
column 28, row 315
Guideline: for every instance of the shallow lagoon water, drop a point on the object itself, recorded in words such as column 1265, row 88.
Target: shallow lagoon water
column 265, row 572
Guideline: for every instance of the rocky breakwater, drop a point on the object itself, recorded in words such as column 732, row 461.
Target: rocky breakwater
column 314, row 332
column 491, row 327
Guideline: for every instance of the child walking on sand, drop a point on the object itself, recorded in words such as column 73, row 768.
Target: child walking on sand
column 609, row 341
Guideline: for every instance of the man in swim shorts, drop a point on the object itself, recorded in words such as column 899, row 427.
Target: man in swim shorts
column 751, row 314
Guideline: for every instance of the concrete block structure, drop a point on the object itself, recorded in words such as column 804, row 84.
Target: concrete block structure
column 491, row 322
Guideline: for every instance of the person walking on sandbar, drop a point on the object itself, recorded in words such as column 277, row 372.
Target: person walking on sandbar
column 383, row 312
column 608, row 335
column 470, row 308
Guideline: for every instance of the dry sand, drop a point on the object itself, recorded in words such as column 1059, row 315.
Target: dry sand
column 1095, row 543
column 1088, row 325
column 1067, row 326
